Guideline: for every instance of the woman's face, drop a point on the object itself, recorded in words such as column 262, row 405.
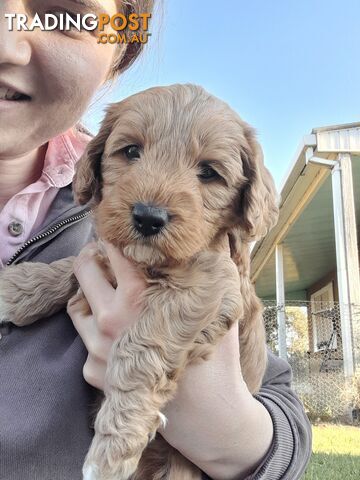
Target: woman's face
column 58, row 71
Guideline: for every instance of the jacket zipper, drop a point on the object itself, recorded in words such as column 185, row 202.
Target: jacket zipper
column 46, row 234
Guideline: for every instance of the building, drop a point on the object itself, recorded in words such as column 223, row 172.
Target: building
column 312, row 254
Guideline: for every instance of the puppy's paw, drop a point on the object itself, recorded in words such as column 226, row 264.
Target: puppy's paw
column 163, row 420
column 110, row 458
column 90, row 472
column 4, row 307
column 11, row 296
column 122, row 471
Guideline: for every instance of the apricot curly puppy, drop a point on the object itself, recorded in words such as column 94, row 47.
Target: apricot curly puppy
column 174, row 177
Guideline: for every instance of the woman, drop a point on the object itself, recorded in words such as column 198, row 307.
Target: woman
column 45, row 401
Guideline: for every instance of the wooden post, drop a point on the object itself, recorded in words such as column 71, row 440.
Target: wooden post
column 280, row 301
column 346, row 260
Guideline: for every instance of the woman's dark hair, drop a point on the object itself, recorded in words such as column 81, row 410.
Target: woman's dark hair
column 124, row 60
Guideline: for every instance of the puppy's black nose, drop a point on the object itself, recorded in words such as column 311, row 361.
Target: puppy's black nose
column 149, row 220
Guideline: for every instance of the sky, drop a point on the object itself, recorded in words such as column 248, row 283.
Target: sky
column 286, row 66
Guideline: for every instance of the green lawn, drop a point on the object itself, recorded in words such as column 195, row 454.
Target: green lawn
column 336, row 453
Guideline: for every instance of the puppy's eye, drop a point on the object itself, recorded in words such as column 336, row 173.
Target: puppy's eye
column 207, row 173
column 132, row 152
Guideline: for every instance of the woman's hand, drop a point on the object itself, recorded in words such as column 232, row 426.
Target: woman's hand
column 213, row 419
column 112, row 310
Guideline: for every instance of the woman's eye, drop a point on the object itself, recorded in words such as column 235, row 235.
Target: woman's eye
column 207, row 173
column 61, row 13
column 132, row 152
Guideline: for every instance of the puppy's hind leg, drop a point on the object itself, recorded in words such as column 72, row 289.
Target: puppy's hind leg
column 31, row 291
column 160, row 461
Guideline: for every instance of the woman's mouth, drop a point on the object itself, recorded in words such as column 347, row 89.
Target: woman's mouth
column 11, row 95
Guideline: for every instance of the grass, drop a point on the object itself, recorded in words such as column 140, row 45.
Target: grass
column 336, row 453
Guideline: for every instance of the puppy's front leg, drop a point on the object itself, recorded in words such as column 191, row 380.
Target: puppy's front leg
column 30, row 291
column 146, row 363
column 253, row 353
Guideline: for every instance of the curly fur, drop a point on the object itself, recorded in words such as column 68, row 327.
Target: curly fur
column 195, row 292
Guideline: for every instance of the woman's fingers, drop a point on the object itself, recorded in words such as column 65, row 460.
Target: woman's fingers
column 97, row 289
column 94, row 372
column 96, row 342
column 112, row 310
column 130, row 282
column 125, row 272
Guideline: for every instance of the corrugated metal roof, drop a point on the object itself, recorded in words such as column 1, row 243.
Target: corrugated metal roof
column 340, row 140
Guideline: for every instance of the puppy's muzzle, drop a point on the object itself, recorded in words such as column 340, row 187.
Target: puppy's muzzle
column 148, row 219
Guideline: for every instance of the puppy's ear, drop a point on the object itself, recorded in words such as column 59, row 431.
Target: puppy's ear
column 257, row 204
column 87, row 181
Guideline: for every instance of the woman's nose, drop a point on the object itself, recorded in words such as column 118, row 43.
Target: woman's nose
column 15, row 47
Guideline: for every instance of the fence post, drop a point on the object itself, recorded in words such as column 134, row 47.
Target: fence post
column 280, row 300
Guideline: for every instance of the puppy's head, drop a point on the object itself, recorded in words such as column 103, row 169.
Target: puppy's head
column 171, row 169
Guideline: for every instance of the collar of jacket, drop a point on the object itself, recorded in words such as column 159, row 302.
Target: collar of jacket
column 63, row 213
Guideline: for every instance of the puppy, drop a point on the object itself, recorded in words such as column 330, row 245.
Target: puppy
column 177, row 183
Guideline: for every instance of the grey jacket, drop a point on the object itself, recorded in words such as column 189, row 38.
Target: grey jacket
column 45, row 404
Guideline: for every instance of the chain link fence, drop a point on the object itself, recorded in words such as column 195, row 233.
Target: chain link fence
column 314, row 350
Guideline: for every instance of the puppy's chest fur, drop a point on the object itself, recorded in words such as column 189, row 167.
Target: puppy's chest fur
column 179, row 277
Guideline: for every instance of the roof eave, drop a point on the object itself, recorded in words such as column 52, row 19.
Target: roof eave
column 302, row 181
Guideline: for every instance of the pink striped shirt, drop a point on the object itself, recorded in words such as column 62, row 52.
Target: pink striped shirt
column 23, row 215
